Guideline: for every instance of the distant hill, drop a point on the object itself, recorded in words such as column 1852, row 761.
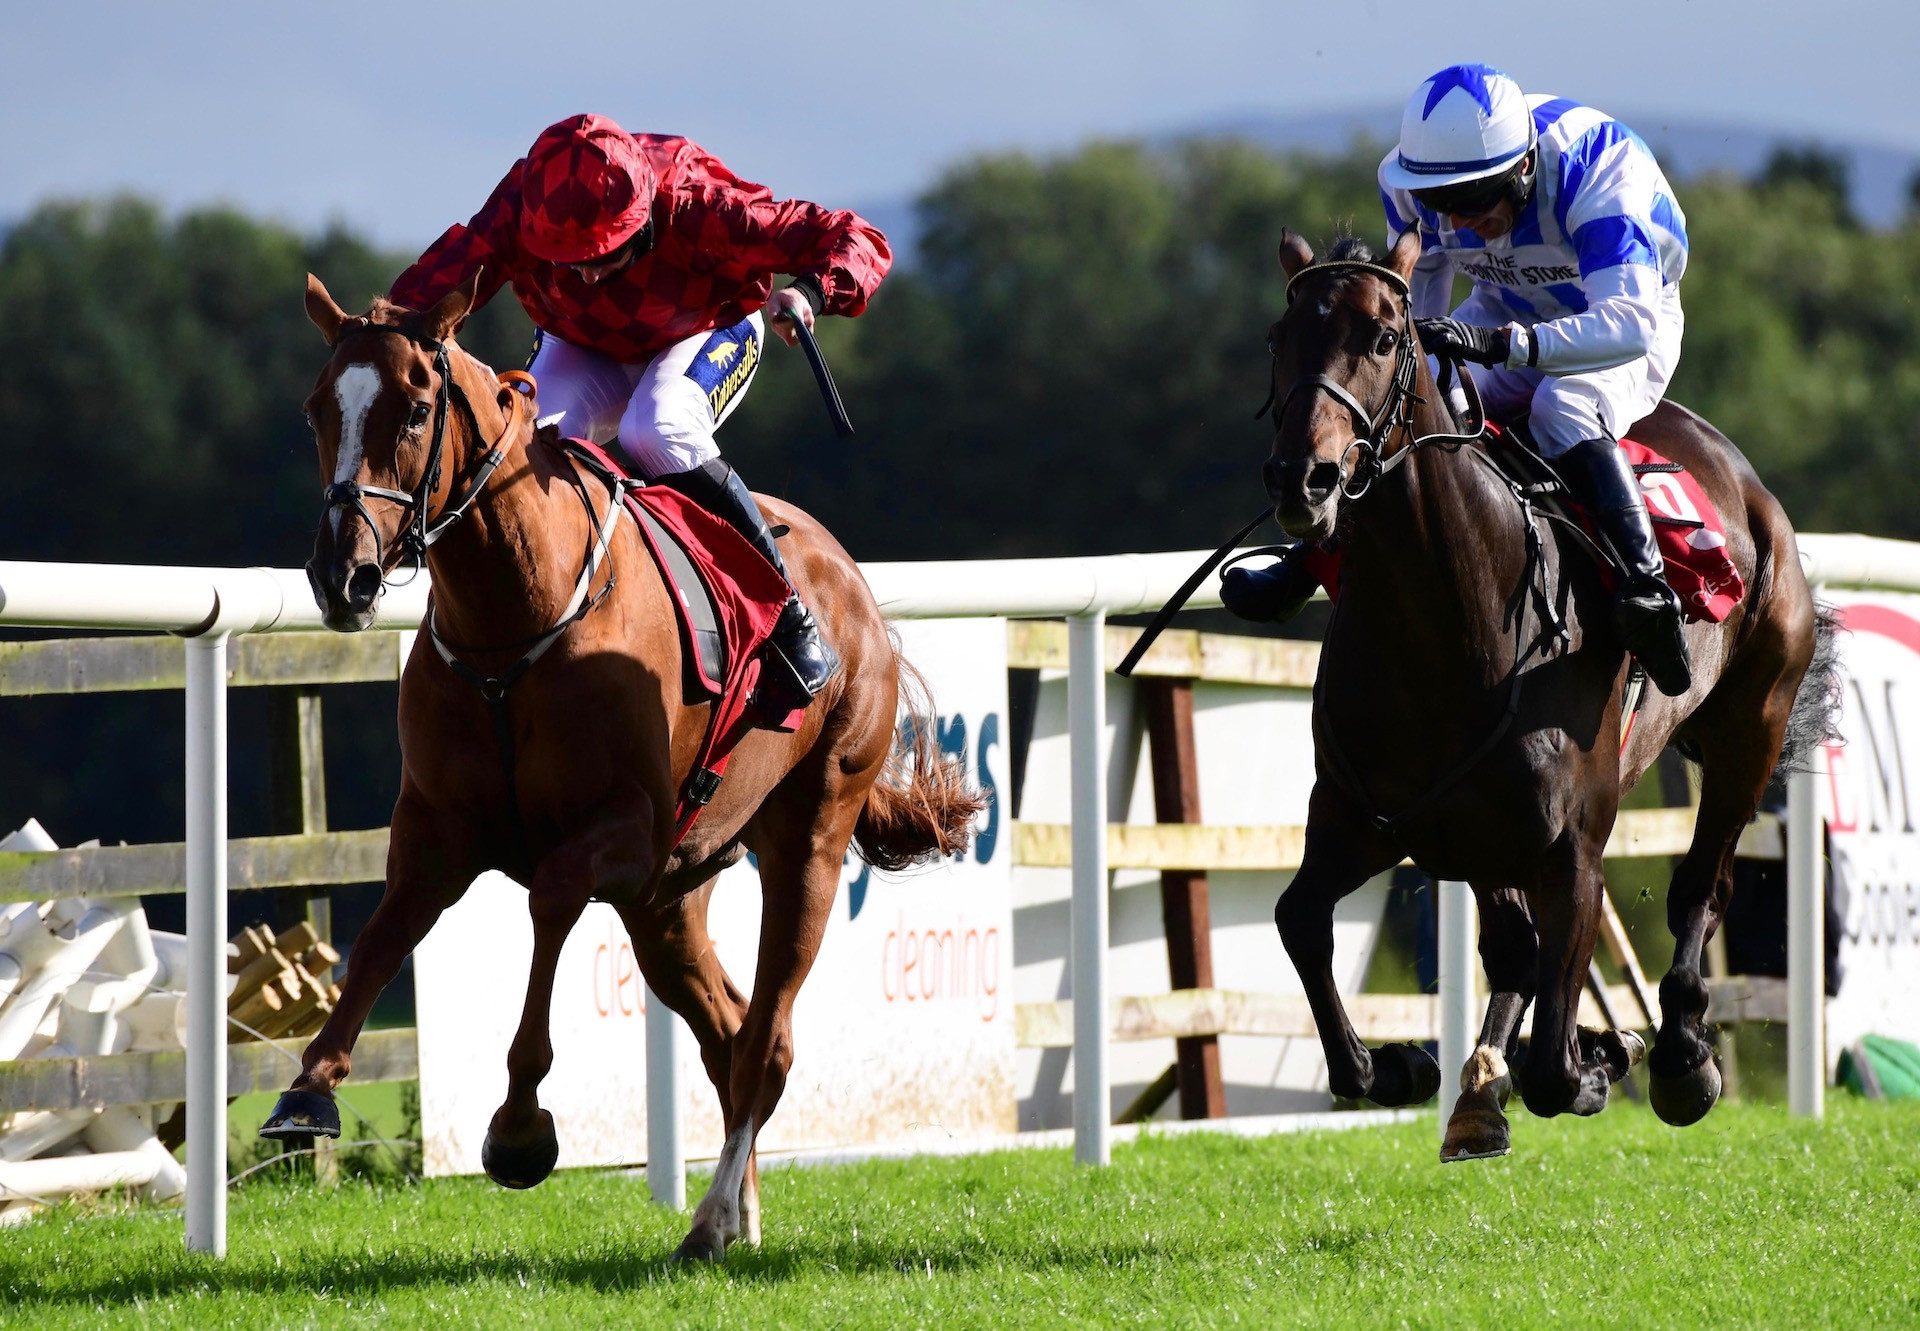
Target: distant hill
column 1879, row 175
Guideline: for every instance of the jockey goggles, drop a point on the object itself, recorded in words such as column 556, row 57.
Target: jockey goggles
column 1469, row 198
column 1477, row 197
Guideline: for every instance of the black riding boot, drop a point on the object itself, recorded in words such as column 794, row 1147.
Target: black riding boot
column 1646, row 613
column 1270, row 595
column 716, row 487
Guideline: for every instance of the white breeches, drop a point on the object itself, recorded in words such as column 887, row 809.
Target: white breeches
column 662, row 415
column 1566, row 409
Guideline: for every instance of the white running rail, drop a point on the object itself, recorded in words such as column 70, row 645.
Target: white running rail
column 207, row 606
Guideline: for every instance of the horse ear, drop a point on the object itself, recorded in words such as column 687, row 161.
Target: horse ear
column 1406, row 253
column 1295, row 253
column 325, row 312
column 445, row 318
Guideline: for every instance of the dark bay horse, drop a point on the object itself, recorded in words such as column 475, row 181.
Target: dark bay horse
column 601, row 737
column 1453, row 724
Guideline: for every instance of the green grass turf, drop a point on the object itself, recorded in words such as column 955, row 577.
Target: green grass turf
column 1750, row 1218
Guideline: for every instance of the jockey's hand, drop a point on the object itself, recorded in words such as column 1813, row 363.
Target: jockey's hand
column 783, row 307
column 1463, row 341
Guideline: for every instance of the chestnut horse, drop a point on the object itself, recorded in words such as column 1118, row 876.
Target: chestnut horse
column 599, row 734
column 1454, row 723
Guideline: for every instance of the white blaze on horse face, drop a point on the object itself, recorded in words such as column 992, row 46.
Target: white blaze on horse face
column 355, row 390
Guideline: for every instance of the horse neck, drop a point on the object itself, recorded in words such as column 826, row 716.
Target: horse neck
column 507, row 569
column 1432, row 544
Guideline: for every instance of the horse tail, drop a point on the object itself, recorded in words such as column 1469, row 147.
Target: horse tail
column 921, row 807
column 1816, row 706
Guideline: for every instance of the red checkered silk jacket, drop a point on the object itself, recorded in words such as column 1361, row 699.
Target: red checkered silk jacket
column 718, row 243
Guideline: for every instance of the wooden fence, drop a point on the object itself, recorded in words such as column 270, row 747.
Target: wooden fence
column 307, row 858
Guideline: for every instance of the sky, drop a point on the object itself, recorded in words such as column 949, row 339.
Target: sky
column 398, row 118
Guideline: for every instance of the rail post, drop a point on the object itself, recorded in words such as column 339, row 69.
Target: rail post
column 666, row 1159
column 1087, row 729
column 206, row 782
column 1456, row 990
column 1806, row 950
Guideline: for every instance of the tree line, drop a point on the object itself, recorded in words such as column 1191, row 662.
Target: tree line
column 1070, row 365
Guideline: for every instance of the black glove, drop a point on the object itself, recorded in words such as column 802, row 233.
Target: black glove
column 1463, row 341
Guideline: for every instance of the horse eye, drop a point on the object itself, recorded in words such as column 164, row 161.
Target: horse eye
column 418, row 416
column 1388, row 341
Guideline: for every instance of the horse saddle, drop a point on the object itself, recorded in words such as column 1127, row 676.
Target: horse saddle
column 700, row 631
column 726, row 596
column 1686, row 523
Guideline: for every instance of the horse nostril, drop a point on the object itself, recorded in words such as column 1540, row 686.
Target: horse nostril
column 363, row 587
column 1321, row 481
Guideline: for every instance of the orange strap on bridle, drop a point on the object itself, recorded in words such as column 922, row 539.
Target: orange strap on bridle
column 515, row 379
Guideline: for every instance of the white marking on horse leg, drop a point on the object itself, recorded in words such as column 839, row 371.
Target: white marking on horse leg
column 355, row 390
column 719, row 1211
column 1486, row 1070
column 750, row 1208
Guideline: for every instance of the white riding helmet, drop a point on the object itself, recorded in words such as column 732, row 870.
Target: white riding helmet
column 1466, row 122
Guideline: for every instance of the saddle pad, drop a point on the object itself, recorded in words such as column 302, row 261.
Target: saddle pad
column 699, row 616
column 726, row 595
column 1687, row 526
column 1692, row 538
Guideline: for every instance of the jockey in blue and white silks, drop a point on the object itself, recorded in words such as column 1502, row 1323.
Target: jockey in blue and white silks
column 1585, row 278
column 1575, row 245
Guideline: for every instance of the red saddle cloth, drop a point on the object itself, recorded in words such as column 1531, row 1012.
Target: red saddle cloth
column 1687, row 526
column 747, row 595
column 1692, row 538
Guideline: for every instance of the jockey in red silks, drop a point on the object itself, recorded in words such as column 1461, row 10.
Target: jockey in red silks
column 647, row 268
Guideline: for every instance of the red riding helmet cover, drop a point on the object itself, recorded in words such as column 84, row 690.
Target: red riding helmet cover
column 585, row 190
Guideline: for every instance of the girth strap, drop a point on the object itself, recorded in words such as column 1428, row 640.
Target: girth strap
column 494, row 687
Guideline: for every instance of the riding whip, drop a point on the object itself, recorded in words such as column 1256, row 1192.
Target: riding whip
column 1166, row 612
column 822, row 376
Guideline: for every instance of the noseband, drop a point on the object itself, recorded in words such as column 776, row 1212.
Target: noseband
column 420, row 532
column 1375, row 429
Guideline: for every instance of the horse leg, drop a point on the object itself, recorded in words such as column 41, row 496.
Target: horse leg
column 1737, row 757
column 1509, row 952
column 428, row 869
column 677, row 957
column 1343, row 851
column 521, row 1146
column 801, row 838
column 1556, row 1078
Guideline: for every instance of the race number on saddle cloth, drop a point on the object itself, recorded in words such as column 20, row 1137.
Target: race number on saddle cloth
column 727, row 598
column 1687, row 526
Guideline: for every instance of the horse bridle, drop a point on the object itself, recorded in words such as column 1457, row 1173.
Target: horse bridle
column 420, row 531
column 1395, row 413
column 1376, row 428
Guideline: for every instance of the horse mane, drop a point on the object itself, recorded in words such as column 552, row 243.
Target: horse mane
column 1347, row 249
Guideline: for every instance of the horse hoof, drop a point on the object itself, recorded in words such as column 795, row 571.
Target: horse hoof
column 1619, row 1052
column 694, row 1249
column 1684, row 1100
column 302, row 1114
column 521, row 1166
column 1477, row 1131
column 1403, row 1074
